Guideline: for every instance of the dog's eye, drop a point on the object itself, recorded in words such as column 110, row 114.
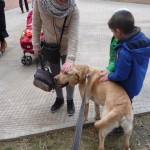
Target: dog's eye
column 66, row 73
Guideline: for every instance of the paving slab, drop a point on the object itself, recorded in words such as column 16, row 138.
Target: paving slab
column 25, row 109
column 10, row 4
column 134, row 1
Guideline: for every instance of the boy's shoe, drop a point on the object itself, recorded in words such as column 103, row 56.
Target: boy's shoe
column 27, row 10
column 70, row 107
column 22, row 11
column 58, row 103
column 116, row 131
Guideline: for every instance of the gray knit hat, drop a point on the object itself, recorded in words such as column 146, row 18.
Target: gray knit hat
column 57, row 10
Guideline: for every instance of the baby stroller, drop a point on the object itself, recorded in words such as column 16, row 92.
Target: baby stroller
column 26, row 41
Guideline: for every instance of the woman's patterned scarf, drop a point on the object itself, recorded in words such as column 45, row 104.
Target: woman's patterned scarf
column 55, row 9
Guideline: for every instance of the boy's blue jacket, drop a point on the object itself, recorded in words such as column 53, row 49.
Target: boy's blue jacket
column 132, row 59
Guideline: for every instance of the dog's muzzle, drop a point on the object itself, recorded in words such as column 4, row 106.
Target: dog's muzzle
column 63, row 85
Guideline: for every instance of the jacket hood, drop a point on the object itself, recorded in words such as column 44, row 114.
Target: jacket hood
column 138, row 43
column 126, row 37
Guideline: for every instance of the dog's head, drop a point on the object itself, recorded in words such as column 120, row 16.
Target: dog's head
column 73, row 77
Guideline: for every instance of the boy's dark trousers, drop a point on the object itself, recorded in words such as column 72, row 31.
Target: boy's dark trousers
column 21, row 5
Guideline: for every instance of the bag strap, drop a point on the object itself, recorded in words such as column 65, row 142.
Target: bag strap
column 62, row 30
column 41, row 60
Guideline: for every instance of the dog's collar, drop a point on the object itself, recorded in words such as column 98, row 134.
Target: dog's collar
column 86, row 76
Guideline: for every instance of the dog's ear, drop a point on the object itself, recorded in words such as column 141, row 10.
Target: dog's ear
column 81, row 69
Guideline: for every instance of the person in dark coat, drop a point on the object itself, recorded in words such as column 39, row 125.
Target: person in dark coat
column 3, row 32
column 21, row 5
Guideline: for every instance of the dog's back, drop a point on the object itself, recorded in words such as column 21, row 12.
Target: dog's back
column 107, row 92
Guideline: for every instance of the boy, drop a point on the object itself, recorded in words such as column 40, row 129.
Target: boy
column 132, row 53
column 111, row 65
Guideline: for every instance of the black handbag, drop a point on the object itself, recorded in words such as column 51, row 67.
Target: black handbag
column 51, row 51
column 43, row 78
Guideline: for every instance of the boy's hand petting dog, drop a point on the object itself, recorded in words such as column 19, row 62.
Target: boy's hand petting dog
column 103, row 76
column 67, row 66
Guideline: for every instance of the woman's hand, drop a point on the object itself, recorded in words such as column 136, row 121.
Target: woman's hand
column 37, row 53
column 67, row 66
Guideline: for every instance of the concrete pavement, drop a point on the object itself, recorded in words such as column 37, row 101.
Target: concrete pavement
column 10, row 4
column 25, row 109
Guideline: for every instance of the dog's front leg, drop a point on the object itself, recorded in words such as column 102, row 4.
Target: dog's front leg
column 86, row 112
column 97, row 112
column 102, row 136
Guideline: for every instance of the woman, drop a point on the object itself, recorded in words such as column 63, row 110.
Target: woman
column 50, row 15
column 3, row 32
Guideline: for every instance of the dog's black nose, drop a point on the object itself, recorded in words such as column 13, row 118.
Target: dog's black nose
column 55, row 79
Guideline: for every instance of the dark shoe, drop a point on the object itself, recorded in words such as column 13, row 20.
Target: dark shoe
column 58, row 103
column 22, row 12
column 27, row 10
column 115, row 131
column 70, row 107
column 3, row 46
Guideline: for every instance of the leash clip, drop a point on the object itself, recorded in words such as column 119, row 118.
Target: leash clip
column 86, row 76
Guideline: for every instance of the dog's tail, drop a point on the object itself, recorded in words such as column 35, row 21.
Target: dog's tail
column 106, row 120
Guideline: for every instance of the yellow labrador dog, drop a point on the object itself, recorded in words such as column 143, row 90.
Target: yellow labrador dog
column 117, row 110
